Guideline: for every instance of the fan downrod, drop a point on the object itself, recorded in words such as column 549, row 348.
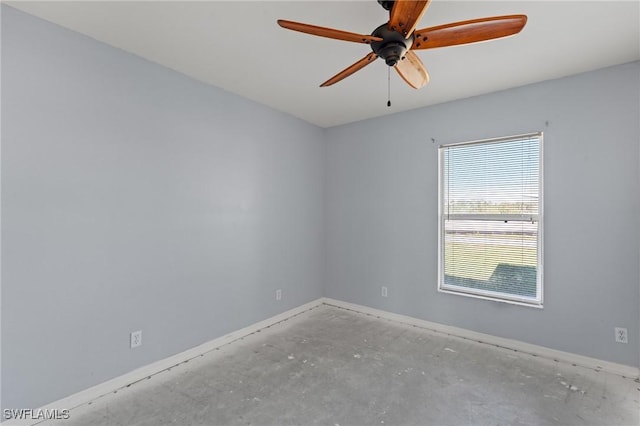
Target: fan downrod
column 386, row 4
column 393, row 46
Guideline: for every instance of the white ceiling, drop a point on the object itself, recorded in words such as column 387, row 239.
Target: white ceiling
column 237, row 45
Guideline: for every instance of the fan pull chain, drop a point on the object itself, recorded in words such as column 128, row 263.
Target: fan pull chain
column 388, row 86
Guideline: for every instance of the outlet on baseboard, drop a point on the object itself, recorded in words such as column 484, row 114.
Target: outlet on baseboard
column 136, row 338
column 621, row 335
column 279, row 294
column 383, row 291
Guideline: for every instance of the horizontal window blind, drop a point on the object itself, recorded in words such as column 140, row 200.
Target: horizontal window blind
column 490, row 198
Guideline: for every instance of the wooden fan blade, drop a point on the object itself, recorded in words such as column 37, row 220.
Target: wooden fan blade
column 468, row 31
column 327, row 32
column 405, row 15
column 351, row 69
column 412, row 70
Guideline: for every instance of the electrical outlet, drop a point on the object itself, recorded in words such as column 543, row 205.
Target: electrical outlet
column 278, row 294
column 383, row 291
column 621, row 335
column 136, row 338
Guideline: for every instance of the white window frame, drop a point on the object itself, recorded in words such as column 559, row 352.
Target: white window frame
column 480, row 293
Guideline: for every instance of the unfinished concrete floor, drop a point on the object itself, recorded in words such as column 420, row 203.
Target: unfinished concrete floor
column 331, row 366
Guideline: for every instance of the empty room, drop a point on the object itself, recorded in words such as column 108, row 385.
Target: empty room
column 320, row 212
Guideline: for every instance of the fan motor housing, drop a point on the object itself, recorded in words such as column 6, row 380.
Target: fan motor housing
column 393, row 46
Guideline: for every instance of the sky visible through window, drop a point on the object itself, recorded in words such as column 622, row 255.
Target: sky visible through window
column 493, row 174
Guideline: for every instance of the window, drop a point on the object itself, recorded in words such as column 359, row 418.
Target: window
column 490, row 214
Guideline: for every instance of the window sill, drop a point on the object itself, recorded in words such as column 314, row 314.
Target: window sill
column 531, row 304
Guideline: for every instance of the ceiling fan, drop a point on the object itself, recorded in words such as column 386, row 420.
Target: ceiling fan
column 395, row 40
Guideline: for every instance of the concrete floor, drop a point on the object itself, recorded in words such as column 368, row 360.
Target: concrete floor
column 331, row 366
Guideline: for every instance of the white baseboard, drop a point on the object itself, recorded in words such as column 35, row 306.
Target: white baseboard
column 120, row 382
column 527, row 348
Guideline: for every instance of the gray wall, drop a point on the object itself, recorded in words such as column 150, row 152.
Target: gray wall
column 381, row 211
column 136, row 198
